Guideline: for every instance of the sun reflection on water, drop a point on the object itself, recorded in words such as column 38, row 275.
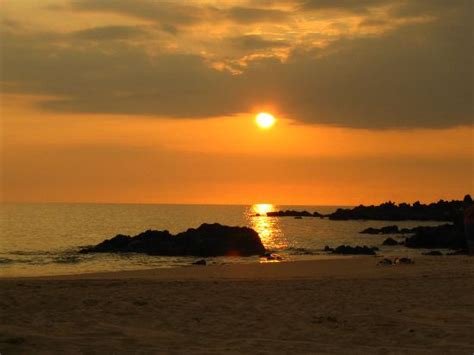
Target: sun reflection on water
column 267, row 227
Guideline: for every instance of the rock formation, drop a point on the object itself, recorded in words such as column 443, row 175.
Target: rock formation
column 206, row 240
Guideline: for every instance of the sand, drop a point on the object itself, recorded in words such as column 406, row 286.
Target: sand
column 327, row 306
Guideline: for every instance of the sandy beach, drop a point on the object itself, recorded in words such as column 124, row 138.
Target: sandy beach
column 348, row 305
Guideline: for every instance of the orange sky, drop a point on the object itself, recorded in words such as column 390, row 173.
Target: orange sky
column 111, row 140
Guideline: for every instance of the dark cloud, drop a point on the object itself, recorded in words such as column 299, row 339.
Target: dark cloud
column 109, row 33
column 180, row 14
column 408, row 8
column 372, row 23
column 355, row 6
column 118, row 78
column 419, row 75
column 175, row 13
column 255, row 15
column 255, row 42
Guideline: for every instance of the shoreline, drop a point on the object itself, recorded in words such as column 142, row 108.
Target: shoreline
column 348, row 266
column 321, row 306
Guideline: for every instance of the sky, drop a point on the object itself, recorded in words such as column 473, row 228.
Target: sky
column 148, row 101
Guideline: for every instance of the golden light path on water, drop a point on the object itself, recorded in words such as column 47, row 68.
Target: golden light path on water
column 268, row 228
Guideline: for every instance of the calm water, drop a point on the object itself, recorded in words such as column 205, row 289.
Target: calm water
column 43, row 239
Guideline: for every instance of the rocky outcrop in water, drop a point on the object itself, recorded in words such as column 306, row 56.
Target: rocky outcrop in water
column 383, row 230
column 390, row 241
column 348, row 250
column 450, row 236
column 446, row 236
column 389, row 211
column 206, row 240
column 433, row 253
column 293, row 213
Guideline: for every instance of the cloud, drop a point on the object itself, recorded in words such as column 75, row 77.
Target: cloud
column 372, row 23
column 354, row 6
column 418, row 75
column 255, row 15
column 180, row 14
column 109, row 33
column 255, row 42
column 429, row 8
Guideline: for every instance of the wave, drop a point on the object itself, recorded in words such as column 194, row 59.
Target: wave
column 6, row 261
column 67, row 259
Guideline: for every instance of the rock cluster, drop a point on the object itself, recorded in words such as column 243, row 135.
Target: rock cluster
column 389, row 211
column 348, row 250
column 390, row 241
column 383, row 230
column 293, row 213
column 206, row 240
column 447, row 236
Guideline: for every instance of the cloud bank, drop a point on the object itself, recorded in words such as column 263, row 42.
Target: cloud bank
column 412, row 69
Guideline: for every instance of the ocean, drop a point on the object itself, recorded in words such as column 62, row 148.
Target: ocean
column 44, row 239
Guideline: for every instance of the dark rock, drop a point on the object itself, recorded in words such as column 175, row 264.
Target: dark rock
column 385, row 262
column 389, row 211
column 383, row 230
column 390, row 241
column 370, row 230
column 433, row 253
column 206, row 240
column 389, row 230
column 293, row 213
column 357, row 250
column 271, row 256
column 406, row 261
column 200, row 262
column 115, row 244
column 328, row 249
column 446, row 236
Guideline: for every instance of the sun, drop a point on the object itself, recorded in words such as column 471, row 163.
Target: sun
column 265, row 120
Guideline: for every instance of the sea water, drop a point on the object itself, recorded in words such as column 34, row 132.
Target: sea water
column 44, row 239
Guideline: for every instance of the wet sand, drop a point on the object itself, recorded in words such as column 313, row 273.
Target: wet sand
column 328, row 306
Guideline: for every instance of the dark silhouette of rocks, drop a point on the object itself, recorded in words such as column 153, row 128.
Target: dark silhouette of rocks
column 390, row 241
column 370, row 230
column 293, row 213
column 201, row 262
column 383, row 230
column 446, row 236
column 389, row 211
column 385, row 262
column 403, row 261
column 272, row 257
column 449, row 236
column 206, row 240
column 433, row 253
column 396, row 261
column 348, row 250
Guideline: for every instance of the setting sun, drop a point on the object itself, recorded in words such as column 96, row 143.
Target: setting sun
column 265, row 120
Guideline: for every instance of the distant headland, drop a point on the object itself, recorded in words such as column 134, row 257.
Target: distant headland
column 389, row 211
